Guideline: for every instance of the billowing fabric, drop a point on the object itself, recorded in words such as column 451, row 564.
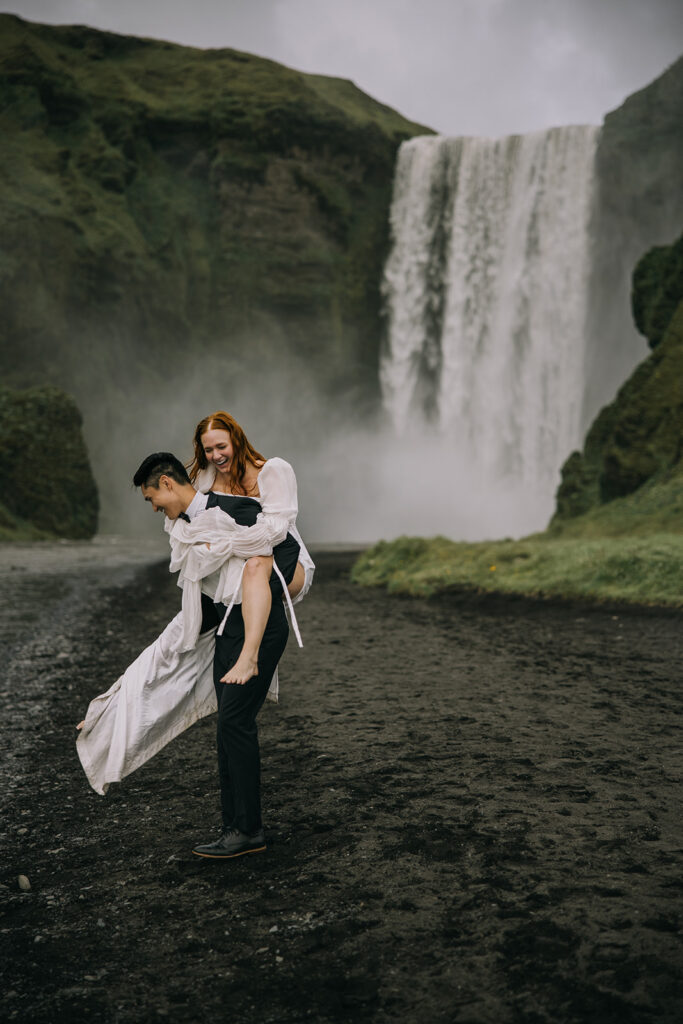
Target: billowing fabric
column 164, row 692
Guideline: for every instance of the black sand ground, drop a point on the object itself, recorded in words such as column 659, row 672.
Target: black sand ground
column 473, row 814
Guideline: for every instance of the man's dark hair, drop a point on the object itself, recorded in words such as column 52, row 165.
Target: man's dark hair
column 157, row 465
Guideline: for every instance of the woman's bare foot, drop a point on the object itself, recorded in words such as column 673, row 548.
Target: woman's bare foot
column 80, row 725
column 244, row 669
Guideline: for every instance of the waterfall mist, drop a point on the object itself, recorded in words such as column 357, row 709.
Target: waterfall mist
column 358, row 481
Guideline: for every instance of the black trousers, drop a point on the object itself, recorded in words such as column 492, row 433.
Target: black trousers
column 239, row 760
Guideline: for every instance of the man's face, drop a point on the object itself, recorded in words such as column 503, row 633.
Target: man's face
column 164, row 498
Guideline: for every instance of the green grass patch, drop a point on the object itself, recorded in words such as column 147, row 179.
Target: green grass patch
column 641, row 569
column 656, row 507
column 630, row 549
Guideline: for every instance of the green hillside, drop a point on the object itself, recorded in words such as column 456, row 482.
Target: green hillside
column 167, row 211
column 155, row 196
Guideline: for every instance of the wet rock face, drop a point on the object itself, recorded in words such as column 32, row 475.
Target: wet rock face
column 48, row 486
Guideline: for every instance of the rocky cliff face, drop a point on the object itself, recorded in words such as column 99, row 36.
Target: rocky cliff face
column 48, row 487
column 638, row 438
column 638, row 204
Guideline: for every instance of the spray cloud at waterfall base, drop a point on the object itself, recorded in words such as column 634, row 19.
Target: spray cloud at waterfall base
column 484, row 370
column 486, row 291
column 357, row 483
column 374, row 485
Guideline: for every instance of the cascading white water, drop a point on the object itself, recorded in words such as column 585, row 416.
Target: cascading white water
column 486, row 292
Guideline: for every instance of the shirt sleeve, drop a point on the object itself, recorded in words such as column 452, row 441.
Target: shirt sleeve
column 278, row 500
column 277, row 487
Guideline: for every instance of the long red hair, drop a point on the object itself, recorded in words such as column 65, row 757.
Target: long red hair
column 242, row 451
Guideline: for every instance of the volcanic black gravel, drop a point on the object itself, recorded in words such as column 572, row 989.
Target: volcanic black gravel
column 472, row 808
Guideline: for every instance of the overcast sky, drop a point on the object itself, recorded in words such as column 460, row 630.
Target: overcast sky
column 463, row 67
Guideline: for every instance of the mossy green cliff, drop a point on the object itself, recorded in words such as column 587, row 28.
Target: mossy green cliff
column 657, row 290
column 158, row 199
column 638, row 438
column 48, row 487
column 638, row 204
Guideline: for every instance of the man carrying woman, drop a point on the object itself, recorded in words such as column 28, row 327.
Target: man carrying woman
column 237, row 551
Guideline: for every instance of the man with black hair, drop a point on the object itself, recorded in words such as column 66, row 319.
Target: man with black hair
column 164, row 483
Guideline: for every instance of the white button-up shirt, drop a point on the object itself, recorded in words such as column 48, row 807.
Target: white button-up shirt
column 198, row 504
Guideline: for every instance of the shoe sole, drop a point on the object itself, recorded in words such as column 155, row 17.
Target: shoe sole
column 229, row 856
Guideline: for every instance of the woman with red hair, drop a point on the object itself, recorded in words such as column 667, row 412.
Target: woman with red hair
column 225, row 462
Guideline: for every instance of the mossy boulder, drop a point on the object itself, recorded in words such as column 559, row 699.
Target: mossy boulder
column 657, row 290
column 48, row 486
column 638, row 438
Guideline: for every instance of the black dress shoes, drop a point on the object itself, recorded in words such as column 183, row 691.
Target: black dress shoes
column 232, row 843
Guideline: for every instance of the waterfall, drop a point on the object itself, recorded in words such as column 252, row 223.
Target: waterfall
column 486, row 292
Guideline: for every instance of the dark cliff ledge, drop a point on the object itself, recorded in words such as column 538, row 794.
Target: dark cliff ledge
column 159, row 199
column 637, row 440
column 638, row 205
column 48, row 487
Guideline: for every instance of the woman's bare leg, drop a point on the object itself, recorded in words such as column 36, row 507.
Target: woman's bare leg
column 298, row 580
column 256, row 605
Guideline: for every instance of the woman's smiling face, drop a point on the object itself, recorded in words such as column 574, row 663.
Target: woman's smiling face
column 217, row 447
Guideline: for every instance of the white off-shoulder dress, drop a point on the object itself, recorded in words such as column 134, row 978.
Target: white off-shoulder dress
column 170, row 685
